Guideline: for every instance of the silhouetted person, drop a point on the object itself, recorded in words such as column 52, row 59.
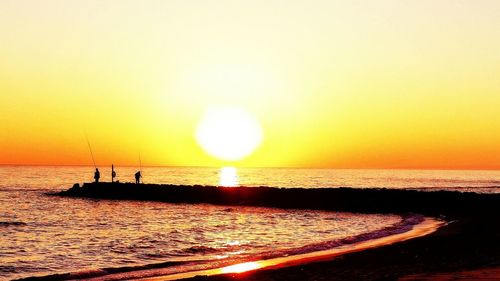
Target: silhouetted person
column 138, row 177
column 97, row 175
column 113, row 173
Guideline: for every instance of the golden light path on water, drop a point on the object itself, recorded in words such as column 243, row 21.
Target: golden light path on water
column 428, row 226
column 228, row 177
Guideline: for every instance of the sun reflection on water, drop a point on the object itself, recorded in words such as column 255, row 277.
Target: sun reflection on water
column 228, row 177
column 241, row 267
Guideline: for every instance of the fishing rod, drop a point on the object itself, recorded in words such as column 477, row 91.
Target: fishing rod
column 140, row 163
column 140, row 166
column 90, row 148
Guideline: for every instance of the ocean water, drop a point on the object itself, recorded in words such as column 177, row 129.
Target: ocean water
column 42, row 235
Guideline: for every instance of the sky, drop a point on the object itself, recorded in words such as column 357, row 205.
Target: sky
column 333, row 84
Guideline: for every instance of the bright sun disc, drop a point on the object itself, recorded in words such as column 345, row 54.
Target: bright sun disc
column 229, row 133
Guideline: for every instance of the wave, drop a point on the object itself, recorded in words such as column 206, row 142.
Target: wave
column 14, row 223
column 472, row 181
column 406, row 224
column 40, row 190
column 92, row 273
column 432, row 179
column 455, row 187
column 204, row 250
column 200, row 250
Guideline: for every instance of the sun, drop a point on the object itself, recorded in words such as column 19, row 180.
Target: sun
column 229, row 133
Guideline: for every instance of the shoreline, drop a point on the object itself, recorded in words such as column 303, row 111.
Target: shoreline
column 426, row 227
column 465, row 248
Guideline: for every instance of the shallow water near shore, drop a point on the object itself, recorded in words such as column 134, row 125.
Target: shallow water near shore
column 46, row 235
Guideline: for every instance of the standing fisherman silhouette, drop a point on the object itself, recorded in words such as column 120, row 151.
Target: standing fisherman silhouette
column 113, row 173
column 97, row 175
column 138, row 177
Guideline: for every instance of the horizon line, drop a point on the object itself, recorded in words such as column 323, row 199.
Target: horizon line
column 251, row 167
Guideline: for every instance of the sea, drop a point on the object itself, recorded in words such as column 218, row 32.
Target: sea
column 42, row 235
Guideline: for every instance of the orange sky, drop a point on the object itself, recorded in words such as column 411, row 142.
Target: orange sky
column 341, row 84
